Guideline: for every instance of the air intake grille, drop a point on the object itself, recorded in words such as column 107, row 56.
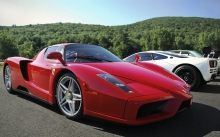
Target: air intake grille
column 185, row 104
column 151, row 108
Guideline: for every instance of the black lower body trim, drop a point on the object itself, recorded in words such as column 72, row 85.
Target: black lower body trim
column 27, row 93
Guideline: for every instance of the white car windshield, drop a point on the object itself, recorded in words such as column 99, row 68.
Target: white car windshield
column 196, row 54
column 173, row 54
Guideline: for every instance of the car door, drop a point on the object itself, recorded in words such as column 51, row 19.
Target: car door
column 163, row 61
column 41, row 70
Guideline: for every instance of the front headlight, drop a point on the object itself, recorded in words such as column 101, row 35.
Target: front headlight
column 115, row 82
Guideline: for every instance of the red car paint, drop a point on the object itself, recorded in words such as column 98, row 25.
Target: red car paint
column 150, row 84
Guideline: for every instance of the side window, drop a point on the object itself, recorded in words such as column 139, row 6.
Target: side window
column 145, row 56
column 158, row 56
column 185, row 52
column 130, row 59
column 60, row 49
column 50, row 49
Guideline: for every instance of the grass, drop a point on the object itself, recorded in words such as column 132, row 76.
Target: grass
column 1, row 65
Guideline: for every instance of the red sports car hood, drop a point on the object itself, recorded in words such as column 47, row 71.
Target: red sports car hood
column 137, row 73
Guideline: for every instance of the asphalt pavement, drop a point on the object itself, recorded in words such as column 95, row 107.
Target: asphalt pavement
column 23, row 116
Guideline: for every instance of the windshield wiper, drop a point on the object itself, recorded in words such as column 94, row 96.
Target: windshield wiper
column 90, row 58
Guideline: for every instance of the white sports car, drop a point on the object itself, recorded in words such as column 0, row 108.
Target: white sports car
column 195, row 71
column 193, row 53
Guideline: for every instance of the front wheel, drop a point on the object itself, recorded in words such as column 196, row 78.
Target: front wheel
column 190, row 75
column 69, row 96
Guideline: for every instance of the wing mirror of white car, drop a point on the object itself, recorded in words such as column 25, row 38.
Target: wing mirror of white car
column 171, row 57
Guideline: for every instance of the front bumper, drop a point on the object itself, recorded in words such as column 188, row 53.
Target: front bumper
column 147, row 109
column 157, row 107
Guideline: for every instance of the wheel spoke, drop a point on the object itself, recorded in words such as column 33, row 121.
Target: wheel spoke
column 64, row 91
column 72, row 106
column 64, row 99
column 63, row 86
column 64, row 102
column 71, row 85
column 75, row 99
column 6, row 77
column 7, row 84
column 76, row 95
column 8, row 72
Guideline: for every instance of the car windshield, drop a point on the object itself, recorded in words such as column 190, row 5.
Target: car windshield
column 197, row 54
column 88, row 53
column 173, row 54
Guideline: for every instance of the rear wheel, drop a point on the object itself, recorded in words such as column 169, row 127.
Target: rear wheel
column 203, row 82
column 69, row 96
column 190, row 75
column 7, row 79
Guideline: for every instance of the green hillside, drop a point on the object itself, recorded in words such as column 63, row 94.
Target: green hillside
column 162, row 33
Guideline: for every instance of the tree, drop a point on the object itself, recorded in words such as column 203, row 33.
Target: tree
column 7, row 46
column 27, row 49
column 159, row 39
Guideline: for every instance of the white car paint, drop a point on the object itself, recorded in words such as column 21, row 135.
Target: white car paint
column 173, row 61
column 193, row 53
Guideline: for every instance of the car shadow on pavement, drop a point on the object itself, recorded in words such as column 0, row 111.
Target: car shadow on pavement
column 216, row 80
column 38, row 102
column 197, row 121
column 209, row 89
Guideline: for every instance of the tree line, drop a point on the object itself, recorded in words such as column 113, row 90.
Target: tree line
column 163, row 33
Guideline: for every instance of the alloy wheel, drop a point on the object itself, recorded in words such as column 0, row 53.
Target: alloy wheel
column 69, row 96
column 7, row 77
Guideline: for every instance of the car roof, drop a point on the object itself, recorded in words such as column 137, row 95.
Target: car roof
column 64, row 44
column 181, row 50
column 151, row 51
column 76, row 44
column 166, row 53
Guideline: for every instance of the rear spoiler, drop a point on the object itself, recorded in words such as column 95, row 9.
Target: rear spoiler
column 210, row 52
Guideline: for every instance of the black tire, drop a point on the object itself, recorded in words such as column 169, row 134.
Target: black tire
column 190, row 75
column 203, row 82
column 7, row 79
column 69, row 98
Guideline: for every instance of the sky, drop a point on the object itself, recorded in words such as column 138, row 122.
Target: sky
column 102, row 12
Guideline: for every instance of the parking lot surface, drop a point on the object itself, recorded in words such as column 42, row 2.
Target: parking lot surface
column 22, row 115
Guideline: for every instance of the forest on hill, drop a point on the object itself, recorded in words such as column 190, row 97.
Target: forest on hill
column 162, row 33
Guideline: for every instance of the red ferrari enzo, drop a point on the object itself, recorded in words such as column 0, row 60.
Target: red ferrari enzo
column 89, row 80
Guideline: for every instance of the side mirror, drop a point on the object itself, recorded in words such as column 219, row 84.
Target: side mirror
column 137, row 57
column 56, row 55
